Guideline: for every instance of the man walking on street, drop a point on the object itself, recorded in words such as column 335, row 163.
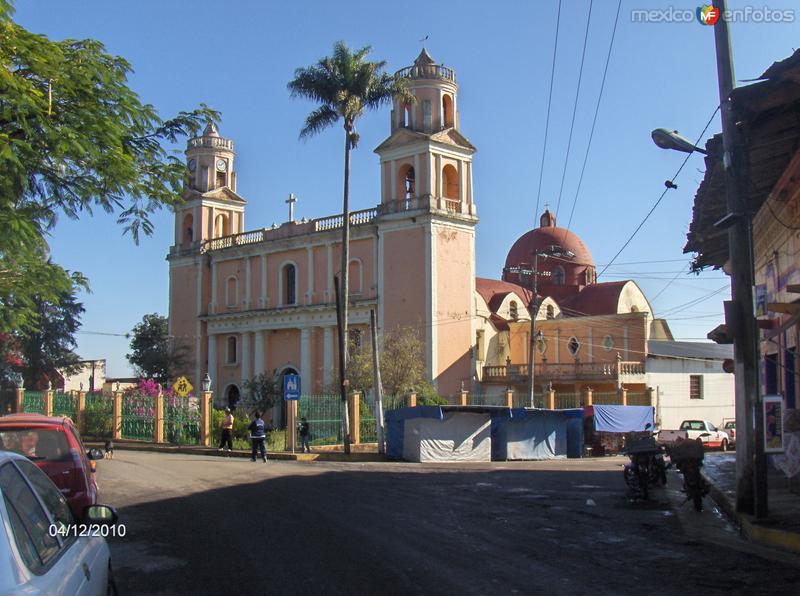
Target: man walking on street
column 304, row 431
column 227, row 431
column 258, row 435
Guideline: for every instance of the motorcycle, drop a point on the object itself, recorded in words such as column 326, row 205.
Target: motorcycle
column 688, row 458
column 647, row 466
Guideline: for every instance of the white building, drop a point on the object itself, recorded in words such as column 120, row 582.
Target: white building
column 689, row 382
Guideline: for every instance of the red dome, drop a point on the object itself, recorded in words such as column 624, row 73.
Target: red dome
column 543, row 239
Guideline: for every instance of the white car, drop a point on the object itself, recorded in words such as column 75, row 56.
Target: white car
column 42, row 550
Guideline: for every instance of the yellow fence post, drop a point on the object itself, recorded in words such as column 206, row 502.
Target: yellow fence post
column 205, row 418
column 19, row 400
column 588, row 396
column 117, row 428
column 355, row 417
column 159, row 422
column 551, row 399
column 623, row 396
column 509, row 399
column 80, row 412
column 48, row 402
column 464, row 398
column 412, row 400
column 291, row 424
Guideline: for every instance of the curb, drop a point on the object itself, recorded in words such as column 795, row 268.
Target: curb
column 753, row 531
column 321, row 456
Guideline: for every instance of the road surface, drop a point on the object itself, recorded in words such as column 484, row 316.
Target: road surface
column 214, row 525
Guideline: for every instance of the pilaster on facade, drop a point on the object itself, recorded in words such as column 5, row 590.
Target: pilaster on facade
column 327, row 356
column 263, row 299
column 306, row 374
column 247, row 291
column 245, row 357
column 212, row 362
column 259, row 357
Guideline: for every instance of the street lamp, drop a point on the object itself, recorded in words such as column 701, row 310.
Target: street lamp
column 670, row 139
column 205, row 383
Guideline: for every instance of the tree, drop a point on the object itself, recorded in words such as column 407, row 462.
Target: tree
column 154, row 354
column 345, row 85
column 262, row 392
column 73, row 137
column 48, row 351
column 402, row 363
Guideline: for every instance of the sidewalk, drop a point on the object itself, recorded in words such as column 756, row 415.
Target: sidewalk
column 782, row 526
column 359, row 453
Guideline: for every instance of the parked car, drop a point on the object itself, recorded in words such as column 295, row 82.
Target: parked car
column 54, row 445
column 729, row 426
column 41, row 552
column 697, row 429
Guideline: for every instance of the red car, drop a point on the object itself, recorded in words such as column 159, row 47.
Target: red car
column 54, row 445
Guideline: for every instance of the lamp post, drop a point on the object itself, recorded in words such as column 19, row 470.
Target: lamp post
column 751, row 478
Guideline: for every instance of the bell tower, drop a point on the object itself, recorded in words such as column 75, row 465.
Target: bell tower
column 428, row 217
column 212, row 208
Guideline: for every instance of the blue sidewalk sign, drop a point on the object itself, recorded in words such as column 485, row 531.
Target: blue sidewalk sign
column 291, row 387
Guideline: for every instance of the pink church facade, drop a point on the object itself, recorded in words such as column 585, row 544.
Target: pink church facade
column 261, row 300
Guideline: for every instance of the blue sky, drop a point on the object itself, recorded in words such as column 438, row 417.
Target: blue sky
column 237, row 57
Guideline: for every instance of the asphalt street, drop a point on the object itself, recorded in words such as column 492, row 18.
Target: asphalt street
column 214, row 525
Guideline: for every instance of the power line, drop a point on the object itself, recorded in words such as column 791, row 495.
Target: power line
column 667, row 187
column 594, row 120
column 549, row 101
column 574, row 110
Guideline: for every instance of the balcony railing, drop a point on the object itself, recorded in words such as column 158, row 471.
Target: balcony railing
column 587, row 371
column 427, row 71
column 211, row 142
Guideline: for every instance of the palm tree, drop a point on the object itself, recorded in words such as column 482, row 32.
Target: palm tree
column 345, row 85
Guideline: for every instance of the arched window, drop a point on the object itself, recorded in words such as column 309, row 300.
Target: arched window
column 608, row 343
column 512, row 311
column 447, row 111
column 558, row 275
column 289, row 284
column 188, row 228
column 356, row 280
column 450, row 182
column 230, row 356
column 551, row 312
column 221, row 225
column 573, row 345
column 405, row 115
column 231, row 291
column 407, row 180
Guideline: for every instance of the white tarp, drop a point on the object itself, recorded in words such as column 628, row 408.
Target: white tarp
column 459, row 436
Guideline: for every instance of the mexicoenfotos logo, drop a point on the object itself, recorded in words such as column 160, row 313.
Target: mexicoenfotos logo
column 707, row 14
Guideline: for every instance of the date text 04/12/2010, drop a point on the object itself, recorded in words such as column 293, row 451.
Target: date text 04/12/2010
column 64, row 530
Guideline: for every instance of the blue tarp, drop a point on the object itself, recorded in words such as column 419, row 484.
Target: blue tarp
column 537, row 434
column 623, row 419
column 394, row 421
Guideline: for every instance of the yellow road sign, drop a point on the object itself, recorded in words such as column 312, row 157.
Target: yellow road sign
column 182, row 387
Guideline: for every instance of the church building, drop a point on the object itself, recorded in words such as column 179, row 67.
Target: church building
column 262, row 300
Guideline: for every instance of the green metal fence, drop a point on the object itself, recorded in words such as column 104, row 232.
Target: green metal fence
column 521, row 399
column 567, row 400
column 65, row 404
column 34, row 402
column 480, row 399
column 98, row 416
column 324, row 416
column 603, row 398
column 638, row 398
column 394, row 402
column 138, row 417
column 368, row 425
column 182, row 420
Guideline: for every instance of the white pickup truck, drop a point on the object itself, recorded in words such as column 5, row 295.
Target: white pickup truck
column 697, row 429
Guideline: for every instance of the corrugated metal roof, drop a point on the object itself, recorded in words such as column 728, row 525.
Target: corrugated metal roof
column 689, row 349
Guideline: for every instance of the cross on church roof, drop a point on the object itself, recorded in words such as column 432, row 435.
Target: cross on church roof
column 291, row 201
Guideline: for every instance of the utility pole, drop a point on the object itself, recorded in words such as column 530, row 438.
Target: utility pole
column 751, row 480
column 376, row 382
column 533, row 309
